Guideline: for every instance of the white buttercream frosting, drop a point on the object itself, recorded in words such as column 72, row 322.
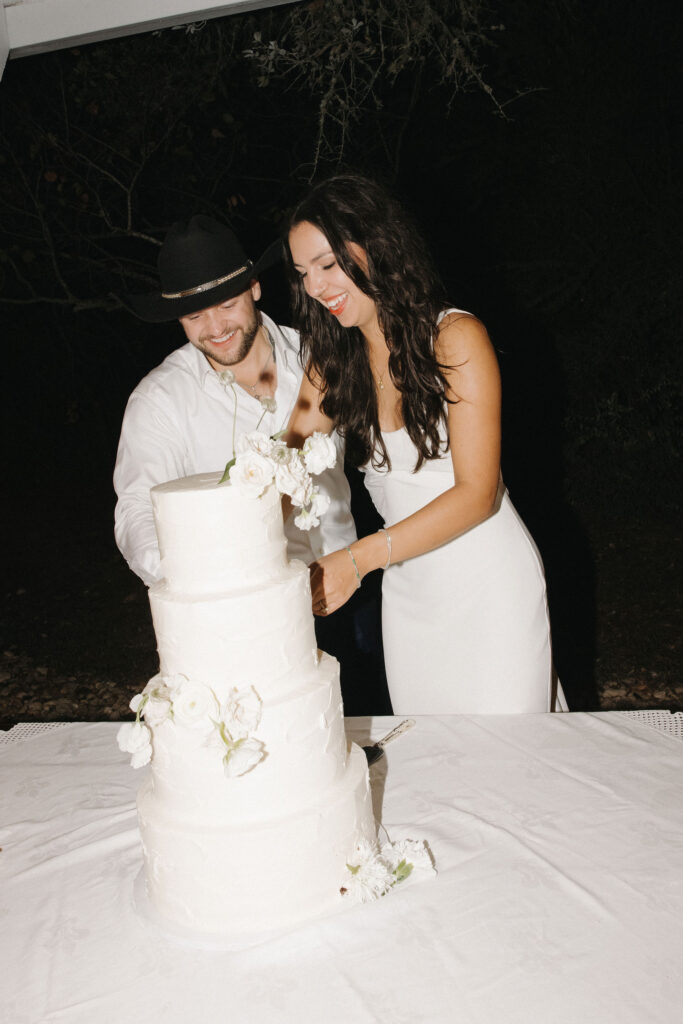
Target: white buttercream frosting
column 268, row 848
column 211, row 537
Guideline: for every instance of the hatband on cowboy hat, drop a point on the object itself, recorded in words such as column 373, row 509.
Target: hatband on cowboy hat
column 201, row 263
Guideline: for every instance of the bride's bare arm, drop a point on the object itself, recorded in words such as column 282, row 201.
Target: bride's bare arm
column 474, row 433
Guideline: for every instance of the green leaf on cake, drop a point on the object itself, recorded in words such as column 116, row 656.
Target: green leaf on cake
column 226, row 472
column 402, row 870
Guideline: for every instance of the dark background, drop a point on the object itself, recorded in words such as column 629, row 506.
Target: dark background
column 545, row 173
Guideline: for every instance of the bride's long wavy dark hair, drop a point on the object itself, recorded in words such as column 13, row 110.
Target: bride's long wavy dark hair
column 409, row 297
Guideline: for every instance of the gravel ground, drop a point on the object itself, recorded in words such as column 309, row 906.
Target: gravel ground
column 77, row 639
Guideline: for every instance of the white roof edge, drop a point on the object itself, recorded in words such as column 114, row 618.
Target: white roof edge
column 37, row 26
column 4, row 40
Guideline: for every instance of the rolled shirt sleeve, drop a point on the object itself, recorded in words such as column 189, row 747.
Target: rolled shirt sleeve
column 150, row 452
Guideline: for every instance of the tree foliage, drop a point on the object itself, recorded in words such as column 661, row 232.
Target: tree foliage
column 351, row 55
column 104, row 146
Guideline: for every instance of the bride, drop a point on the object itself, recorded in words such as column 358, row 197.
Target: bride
column 414, row 388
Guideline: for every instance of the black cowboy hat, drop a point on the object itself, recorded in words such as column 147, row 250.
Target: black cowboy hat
column 201, row 263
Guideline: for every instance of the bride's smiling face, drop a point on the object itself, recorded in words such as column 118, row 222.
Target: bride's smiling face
column 325, row 281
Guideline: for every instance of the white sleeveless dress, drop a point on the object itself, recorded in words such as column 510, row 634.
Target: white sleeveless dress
column 465, row 627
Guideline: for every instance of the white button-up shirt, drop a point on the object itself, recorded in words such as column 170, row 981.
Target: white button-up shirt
column 180, row 421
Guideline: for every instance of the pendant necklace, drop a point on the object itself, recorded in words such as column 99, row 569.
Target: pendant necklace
column 271, row 354
column 268, row 404
column 380, row 376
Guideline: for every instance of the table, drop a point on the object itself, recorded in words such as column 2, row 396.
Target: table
column 559, row 897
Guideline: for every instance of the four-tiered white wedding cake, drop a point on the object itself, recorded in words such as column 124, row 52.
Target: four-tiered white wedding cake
column 257, row 812
column 255, row 801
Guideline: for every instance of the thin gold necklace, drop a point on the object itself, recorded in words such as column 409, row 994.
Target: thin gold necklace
column 252, row 387
column 377, row 374
column 380, row 377
column 271, row 355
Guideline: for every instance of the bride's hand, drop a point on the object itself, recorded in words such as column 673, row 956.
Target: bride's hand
column 333, row 581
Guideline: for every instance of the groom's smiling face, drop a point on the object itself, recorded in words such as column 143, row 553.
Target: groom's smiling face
column 225, row 332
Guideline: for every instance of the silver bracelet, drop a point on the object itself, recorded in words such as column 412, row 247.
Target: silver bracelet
column 354, row 566
column 387, row 537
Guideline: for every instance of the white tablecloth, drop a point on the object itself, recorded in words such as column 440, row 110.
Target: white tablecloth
column 559, row 899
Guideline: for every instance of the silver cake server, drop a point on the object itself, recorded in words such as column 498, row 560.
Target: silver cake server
column 375, row 750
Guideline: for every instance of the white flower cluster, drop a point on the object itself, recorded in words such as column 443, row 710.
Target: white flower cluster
column 192, row 705
column 262, row 460
column 375, row 871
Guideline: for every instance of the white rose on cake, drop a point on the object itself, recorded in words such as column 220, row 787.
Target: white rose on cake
column 305, row 520
column 292, row 479
column 310, row 516
column 172, row 683
column 253, row 472
column 260, row 459
column 194, row 706
column 255, row 441
column 319, row 502
column 155, row 701
column 135, row 703
column 242, row 756
column 319, row 453
column 156, row 711
column 241, row 712
column 136, row 739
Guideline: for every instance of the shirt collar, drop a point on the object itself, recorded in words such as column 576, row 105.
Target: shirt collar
column 284, row 352
column 200, row 366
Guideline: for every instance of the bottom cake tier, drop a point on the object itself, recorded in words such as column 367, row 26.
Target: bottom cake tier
column 259, row 876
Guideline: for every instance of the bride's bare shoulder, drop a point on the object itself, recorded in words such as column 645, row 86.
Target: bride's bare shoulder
column 461, row 336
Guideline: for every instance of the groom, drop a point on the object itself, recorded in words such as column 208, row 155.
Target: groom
column 237, row 372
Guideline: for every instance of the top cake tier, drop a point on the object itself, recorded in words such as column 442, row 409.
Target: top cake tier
column 215, row 538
